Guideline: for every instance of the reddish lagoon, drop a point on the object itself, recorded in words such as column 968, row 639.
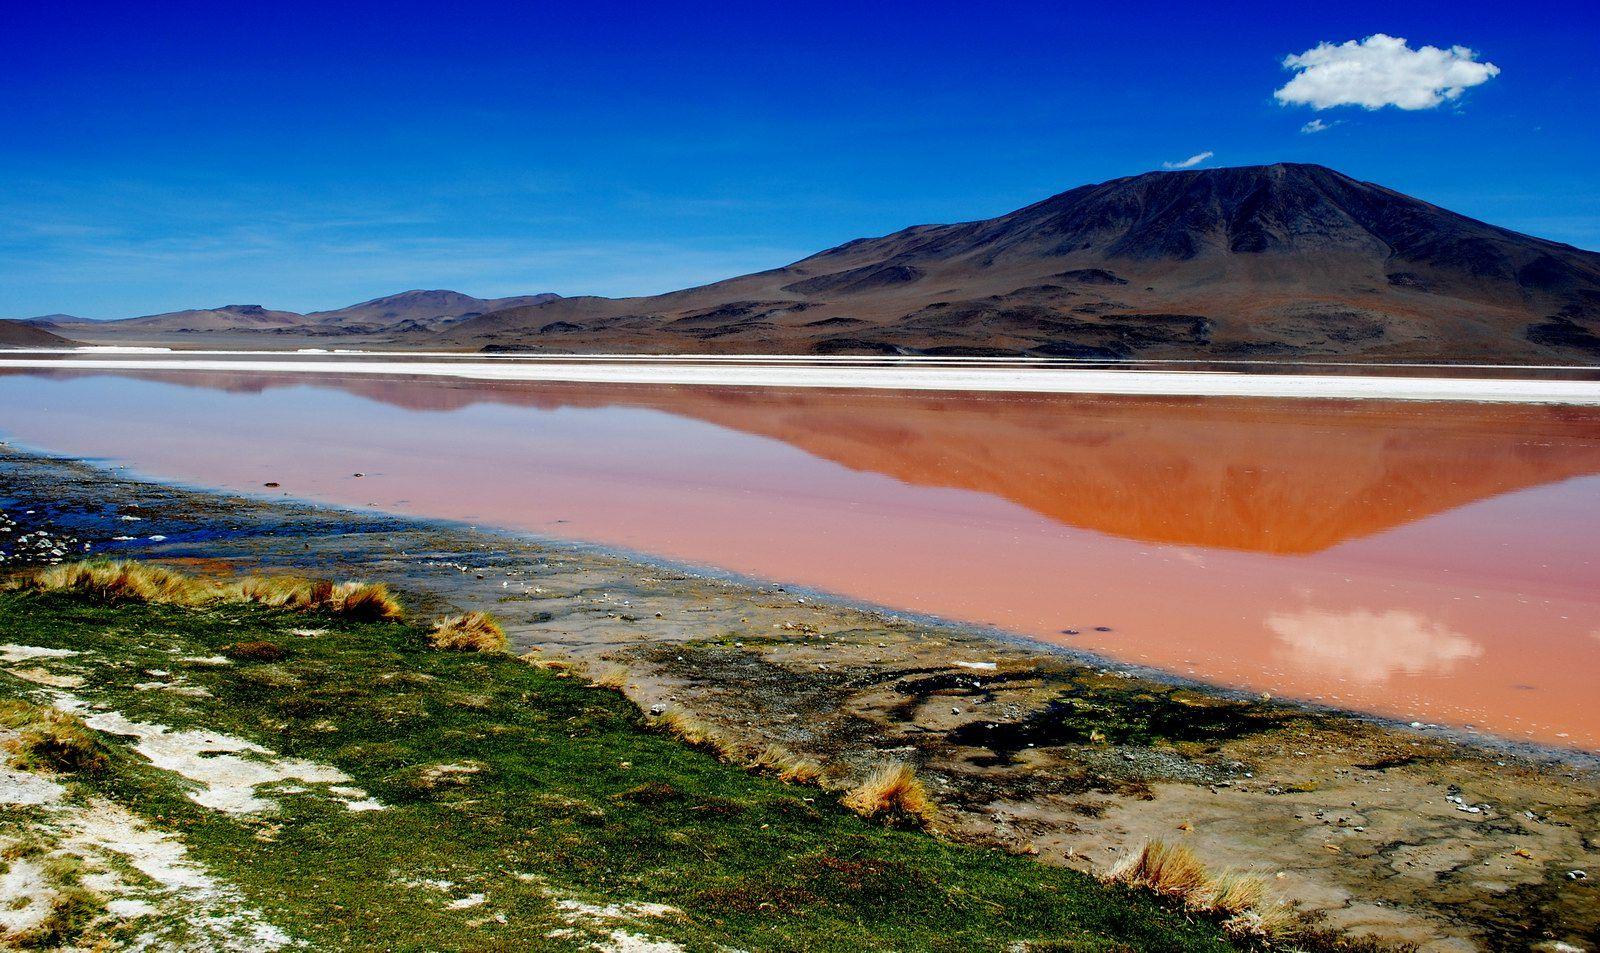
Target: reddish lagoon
column 1428, row 562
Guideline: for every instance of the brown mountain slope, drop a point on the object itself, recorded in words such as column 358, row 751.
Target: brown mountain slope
column 396, row 314
column 18, row 334
column 1282, row 260
column 423, row 309
column 232, row 317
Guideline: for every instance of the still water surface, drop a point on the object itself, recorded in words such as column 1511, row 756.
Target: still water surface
column 1428, row 562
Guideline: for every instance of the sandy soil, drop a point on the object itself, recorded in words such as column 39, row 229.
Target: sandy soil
column 1409, row 835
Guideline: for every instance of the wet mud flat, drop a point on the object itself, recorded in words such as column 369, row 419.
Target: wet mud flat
column 1409, row 836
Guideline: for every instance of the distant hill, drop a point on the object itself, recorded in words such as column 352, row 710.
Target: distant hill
column 1274, row 261
column 1279, row 261
column 400, row 313
column 20, row 334
column 423, row 309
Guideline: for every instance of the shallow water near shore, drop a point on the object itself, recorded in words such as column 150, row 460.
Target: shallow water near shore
column 1428, row 562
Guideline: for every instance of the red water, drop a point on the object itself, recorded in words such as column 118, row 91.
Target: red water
column 1436, row 563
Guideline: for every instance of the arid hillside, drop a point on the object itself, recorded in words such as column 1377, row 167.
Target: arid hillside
column 1280, row 262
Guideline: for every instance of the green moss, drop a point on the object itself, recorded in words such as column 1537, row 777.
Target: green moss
column 568, row 795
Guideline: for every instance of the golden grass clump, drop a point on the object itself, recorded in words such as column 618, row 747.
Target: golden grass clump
column 366, row 602
column 787, row 766
column 282, row 592
column 691, row 730
column 469, row 632
column 1169, row 869
column 893, row 791
column 120, row 581
column 132, row 581
column 49, row 740
column 1173, row 870
column 363, row 601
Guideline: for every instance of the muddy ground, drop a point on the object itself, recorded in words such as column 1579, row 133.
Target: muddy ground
column 1412, row 836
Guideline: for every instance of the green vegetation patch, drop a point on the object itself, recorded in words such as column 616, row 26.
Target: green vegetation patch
column 513, row 796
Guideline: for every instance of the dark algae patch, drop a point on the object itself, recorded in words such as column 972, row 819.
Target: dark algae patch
column 1118, row 715
column 516, row 802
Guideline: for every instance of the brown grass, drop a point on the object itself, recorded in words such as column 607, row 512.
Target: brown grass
column 893, row 792
column 1168, row 869
column 470, row 632
column 788, row 767
column 366, row 602
column 119, row 581
column 50, row 740
column 1172, row 870
column 131, row 581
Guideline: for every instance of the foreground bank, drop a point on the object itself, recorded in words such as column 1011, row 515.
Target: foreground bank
column 233, row 776
column 1384, row 832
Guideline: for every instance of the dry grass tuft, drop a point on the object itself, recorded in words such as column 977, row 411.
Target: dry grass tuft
column 1233, row 892
column 131, row 581
column 895, row 792
column 1172, row 870
column 50, row 740
column 366, row 602
column 470, row 632
column 1169, row 869
column 616, row 679
column 281, row 592
column 120, row 581
column 788, row 767
column 700, row 734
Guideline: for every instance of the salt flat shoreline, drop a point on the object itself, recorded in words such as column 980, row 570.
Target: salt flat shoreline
column 1372, row 826
column 939, row 377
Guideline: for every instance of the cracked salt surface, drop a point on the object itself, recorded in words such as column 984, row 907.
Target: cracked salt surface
column 96, row 831
column 619, row 940
column 227, row 769
column 23, row 653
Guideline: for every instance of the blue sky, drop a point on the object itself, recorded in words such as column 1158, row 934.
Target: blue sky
column 160, row 156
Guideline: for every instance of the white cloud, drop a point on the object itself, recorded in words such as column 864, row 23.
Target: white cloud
column 1381, row 71
column 1370, row 647
column 1317, row 125
column 1193, row 160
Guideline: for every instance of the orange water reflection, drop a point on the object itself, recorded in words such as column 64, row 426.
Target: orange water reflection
column 1426, row 562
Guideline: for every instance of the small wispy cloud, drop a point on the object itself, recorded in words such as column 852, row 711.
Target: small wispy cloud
column 1190, row 162
column 1317, row 125
column 1380, row 71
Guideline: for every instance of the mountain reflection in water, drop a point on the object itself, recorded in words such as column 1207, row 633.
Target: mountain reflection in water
column 1436, row 562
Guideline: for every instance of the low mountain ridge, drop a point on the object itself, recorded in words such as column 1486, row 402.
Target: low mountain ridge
column 397, row 313
column 22, row 334
column 1284, row 261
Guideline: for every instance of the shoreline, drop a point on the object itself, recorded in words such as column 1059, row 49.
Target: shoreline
column 1485, row 741
column 1003, row 730
column 1042, row 380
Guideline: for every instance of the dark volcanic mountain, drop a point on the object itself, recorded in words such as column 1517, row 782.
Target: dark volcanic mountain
column 19, row 334
column 1281, row 260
